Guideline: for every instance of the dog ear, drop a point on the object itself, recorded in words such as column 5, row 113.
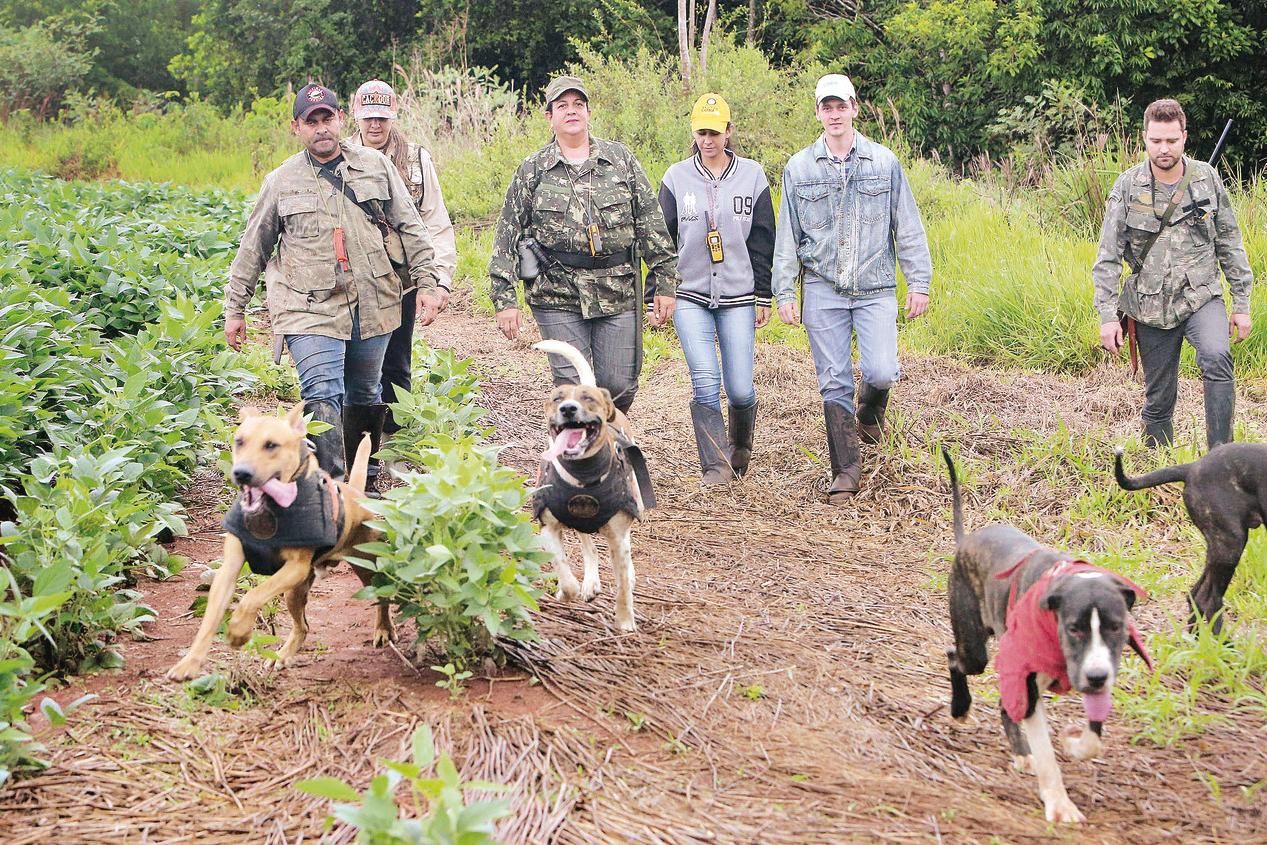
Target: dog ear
column 611, row 406
column 1051, row 601
column 247, row 411
column 1128, row 593
column 295, row 416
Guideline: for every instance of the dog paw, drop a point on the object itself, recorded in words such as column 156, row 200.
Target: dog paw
column 186, row 669
column 568, row 592
column 1063, row 811
column 1023, row 764
column 626, row 624
column 1081, row 743
column 590, row 589
column 383, row 636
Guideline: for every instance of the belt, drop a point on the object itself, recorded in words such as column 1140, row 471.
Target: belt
column 583, row 261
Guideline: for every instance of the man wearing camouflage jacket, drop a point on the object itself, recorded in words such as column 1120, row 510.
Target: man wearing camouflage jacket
column 585, row 201
column 332, row 292
column 1177, row 292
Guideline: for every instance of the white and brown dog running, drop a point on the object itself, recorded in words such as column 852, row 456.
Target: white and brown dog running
column 292, row 522
column 593, row 480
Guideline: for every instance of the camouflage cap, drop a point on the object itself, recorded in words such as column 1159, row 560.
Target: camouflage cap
column 374, row 99
column 313, row 97
column 560, row 85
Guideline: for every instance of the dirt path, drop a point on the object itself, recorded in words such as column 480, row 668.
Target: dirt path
column 786, row 685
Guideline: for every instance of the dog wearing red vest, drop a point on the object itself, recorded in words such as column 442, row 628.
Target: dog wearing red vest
column 1062, row 625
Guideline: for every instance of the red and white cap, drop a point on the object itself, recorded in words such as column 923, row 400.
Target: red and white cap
column 374, row 99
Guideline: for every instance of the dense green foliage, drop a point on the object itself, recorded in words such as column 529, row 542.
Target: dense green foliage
column 115, row 373
column 960, row 79
column 459, row 554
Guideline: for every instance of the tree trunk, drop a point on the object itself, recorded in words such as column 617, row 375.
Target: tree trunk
column 752, row 23
column 684, row 42
column 709, row 17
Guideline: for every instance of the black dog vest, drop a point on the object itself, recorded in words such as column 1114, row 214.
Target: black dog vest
column 311, row 522
column 602, row 493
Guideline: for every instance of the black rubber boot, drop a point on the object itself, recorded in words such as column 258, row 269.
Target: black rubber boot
column 710, row 439
column 359, row 420
column 1159, row 434
column 743, row 424
column 329, row 444
column 1220, row 407
column 871, row 402
column 846, row 460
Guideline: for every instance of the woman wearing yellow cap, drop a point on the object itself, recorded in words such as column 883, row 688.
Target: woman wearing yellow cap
column 718, row 210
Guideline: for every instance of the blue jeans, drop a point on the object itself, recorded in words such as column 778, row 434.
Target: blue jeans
column 345, row 371
column 609, row 343
column 701, row 332
column 831, row 321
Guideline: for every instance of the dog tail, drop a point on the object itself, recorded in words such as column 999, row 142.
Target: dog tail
column 956, row 504
column 359, row 470
column 1152, row 479
column 574, row 357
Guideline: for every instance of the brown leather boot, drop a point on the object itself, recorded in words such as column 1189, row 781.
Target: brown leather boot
column 871, row 402
column 846, row 460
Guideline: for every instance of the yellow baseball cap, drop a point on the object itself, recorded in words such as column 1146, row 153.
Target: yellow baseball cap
column 710, row 112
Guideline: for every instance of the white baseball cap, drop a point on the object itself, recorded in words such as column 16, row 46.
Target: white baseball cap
column 834, row 85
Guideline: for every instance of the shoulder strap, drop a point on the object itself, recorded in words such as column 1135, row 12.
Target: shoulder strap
column 371, row 208
column 1171, row 205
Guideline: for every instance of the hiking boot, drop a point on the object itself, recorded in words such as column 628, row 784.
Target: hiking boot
column 743, row 423
column 328, row 445
column 359, row 420
column 871, row 402
column 846, row 460
column 1220, row 405
column 710, row 437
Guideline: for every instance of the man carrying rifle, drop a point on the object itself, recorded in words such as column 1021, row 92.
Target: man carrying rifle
column 1170, row 220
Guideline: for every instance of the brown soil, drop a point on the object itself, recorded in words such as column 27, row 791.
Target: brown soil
column 786, row 684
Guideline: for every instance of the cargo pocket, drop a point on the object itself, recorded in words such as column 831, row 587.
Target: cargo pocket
column 368, row 187
column 873, row 199
column 300, row 214
column 1141, row 226
column 549, row 212
column 813, row 206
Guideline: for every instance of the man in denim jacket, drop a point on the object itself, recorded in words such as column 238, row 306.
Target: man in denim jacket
column 846, row 218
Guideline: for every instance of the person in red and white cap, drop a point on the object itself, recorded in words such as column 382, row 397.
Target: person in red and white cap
column 374, row 107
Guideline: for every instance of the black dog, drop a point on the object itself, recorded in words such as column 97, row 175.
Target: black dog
column 1061, row 623
column 1226, row 495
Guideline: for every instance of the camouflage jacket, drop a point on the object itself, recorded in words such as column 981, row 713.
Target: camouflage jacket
column 552, row 202
column 296, row 214
column 424, row 189
column 1181, row 271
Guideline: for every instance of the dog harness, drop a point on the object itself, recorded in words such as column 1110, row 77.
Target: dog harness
column 602, row 492
column 314, row 520
column 1031, row 643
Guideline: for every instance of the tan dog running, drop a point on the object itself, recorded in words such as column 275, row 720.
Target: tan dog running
column 285, row 497
column 588, row 483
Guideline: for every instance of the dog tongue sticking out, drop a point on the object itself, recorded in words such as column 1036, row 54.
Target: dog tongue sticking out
column 281, row 492
column 1097, row 705
column 567, row 439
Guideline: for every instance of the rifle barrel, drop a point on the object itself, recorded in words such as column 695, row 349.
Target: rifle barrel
column 1218, row 147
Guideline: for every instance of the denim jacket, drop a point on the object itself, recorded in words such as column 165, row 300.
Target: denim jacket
column 849, row 232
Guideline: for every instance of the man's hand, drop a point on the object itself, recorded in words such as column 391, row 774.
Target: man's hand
column 235, row 331
column 662, row 309
column 916, row 304
column 1238, row 327
column 763, row 315
column 444, row 294
column 1111, row 335
column 508, row 322
column 790, row 313
column 429, row 305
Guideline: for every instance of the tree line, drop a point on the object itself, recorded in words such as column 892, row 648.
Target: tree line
column 964, row 80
